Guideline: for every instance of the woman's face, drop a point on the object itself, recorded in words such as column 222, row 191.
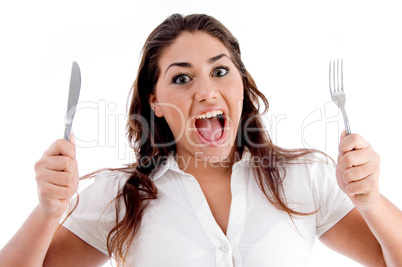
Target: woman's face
column 200, row 94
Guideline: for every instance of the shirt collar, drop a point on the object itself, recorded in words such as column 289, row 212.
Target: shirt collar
column 171, row 164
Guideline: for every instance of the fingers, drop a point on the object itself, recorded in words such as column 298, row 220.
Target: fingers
column 355, row 151
column 356, row 158
column 358, row 170
column 62, row 147
column 362, row 187
column 57, row 163
column 57, row 177
column 356, row 165
column 51, row 191
column 359, row 173
column 352, row 142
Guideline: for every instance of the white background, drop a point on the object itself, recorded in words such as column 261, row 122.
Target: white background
column 286, row 46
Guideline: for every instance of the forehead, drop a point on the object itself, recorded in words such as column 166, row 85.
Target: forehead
column 191, row 47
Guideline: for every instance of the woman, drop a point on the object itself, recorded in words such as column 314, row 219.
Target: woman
column 209, row 188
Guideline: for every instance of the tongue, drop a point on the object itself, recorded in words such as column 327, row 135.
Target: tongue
column 210, row 129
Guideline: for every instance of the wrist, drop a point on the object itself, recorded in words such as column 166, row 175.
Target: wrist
column 373, row 208
column 47, row 218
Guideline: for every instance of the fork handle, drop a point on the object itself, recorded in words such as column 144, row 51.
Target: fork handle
column 346, row 122
column 347, row 128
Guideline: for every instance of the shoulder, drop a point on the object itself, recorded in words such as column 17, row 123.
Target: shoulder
column 312, row 175
column 112, row 177
column 96, row 194
column 91, row 215
column 312, row 165
column 312, row 179
column 105, row 184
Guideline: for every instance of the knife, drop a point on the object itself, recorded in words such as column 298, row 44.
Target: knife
column 73, row 94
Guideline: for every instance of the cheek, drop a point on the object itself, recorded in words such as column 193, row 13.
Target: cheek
column 174, row 115
column 235, row 96
column 170, row 104
column 235, row 86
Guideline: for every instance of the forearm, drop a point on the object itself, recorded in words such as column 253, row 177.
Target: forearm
column 29, row 245
column 385, row 222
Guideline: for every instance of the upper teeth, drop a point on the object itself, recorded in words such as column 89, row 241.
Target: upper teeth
column 210, row 114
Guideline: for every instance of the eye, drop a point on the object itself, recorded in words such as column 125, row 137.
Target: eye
column 181, row 79
column 220, row 71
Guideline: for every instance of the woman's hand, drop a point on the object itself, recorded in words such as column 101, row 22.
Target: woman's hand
column 57, row 177
column 358, row 171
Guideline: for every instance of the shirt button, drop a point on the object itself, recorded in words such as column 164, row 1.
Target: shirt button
column 225, row 248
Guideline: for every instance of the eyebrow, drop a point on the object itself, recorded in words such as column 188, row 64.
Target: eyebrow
column 214, row 59
column 188, row 65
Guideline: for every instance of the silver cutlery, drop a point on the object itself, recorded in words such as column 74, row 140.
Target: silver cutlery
column 73, row 95
column 336, row 89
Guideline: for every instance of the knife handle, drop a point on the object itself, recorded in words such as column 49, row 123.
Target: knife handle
column 67, row 131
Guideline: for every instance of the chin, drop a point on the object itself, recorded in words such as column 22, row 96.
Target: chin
column 214, row 154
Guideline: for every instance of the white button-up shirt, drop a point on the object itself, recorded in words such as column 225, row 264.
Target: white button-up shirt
column 179, row 230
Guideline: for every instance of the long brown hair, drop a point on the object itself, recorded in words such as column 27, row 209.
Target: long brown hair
column 144, row 130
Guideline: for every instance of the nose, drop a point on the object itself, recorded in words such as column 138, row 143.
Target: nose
column 206, row 91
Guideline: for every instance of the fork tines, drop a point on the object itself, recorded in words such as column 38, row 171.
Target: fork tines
column 335, row 85
column 336, row 89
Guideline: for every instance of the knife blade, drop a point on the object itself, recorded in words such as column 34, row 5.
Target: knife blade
column 73, row 95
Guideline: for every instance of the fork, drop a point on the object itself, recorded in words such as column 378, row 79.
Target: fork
column 336, row 90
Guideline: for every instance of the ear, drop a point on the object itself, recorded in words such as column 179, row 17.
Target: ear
column 154, row 105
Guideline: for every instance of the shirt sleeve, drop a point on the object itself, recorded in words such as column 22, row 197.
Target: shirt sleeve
column 332, row 203
column 95, row 214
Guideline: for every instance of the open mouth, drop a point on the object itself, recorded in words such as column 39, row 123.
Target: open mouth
column 210, row 125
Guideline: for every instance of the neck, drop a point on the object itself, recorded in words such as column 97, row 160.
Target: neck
column 200, row 166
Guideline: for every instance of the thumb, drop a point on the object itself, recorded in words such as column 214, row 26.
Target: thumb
column 72, row 138
column 343, row 135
